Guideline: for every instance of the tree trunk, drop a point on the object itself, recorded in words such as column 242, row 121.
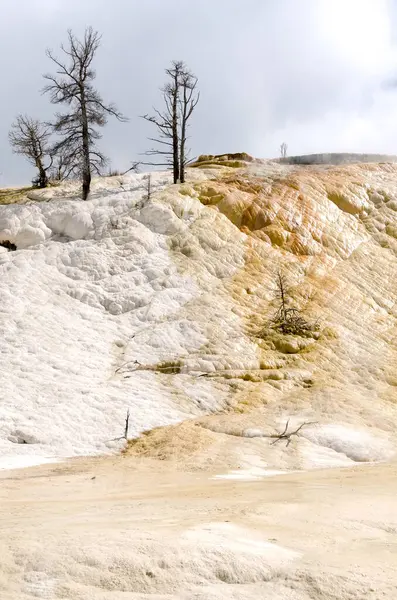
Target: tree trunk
column 183, row 137
column 43, row 179
column 86, row 167
column 182, row 157
column 175, row 139
column 281, row 289
column 86, row 184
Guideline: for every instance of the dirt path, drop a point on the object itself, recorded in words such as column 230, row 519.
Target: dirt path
column 121, row 528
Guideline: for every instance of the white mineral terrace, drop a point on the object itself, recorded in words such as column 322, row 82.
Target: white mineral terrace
column 161, row 307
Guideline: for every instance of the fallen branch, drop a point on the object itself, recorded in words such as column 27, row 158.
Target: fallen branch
column 134, row 167
column 171, row 367
column 276, row 436
column 287, row 436
column 171, row 370
column 126, row 364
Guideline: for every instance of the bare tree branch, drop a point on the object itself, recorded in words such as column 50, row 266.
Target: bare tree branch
column 153, row 164
column 61, row 168
column 134, row 167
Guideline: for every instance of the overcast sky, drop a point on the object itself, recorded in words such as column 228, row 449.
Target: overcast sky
column 317, row 74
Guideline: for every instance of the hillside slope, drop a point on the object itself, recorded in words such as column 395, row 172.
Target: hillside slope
column 160, row 307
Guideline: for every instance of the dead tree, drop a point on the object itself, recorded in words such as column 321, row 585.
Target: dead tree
column 287, row 436
column 127, row 424
column 283, row 150
column 126, row 428
column 149, row 187
column 282, row 294
column 188, row 103
column 288, row 319
column 61, row 169
column 167, row 122
column 172, row 95
column 73, row 86
column 31, row 138
column 180, row 101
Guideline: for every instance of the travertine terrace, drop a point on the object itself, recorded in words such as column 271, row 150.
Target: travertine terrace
column 162, row 307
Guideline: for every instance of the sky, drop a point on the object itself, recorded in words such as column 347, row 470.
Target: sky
column 320, row 75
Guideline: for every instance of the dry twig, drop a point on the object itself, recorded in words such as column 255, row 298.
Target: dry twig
column 287, row 436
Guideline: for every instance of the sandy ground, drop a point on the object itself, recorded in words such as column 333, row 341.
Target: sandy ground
column 118, row 528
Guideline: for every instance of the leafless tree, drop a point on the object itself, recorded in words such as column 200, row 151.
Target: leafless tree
column 283, row 150
column 62, row 167
column 148, row 187
column 167, row 122
column 31, row 138
column 127, row 424
column 288, row 319
column 188, row 102
column 126, row 428
column 282, row 292
column 73, row 85
column 180, row 99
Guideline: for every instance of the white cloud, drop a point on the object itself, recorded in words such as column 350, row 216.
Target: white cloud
column 311, row 72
